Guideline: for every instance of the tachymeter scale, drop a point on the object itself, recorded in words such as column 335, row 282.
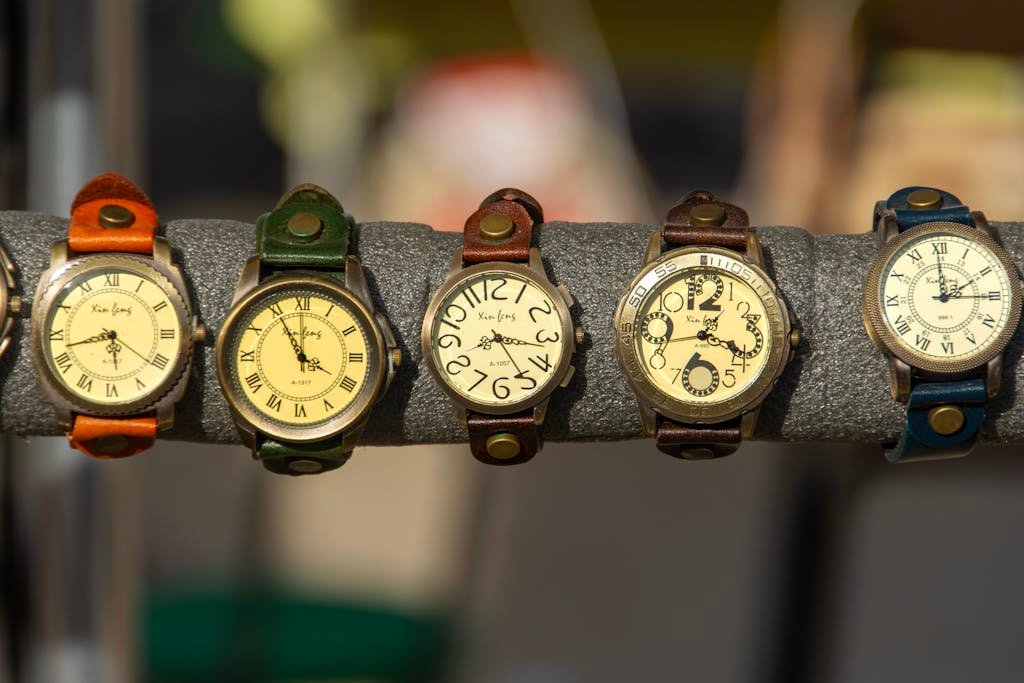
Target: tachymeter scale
column 112, row 336
column 496, row 338
column 702, row 335
column 299, row 356
column 945, row 296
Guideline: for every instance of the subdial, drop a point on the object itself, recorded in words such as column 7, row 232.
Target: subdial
column 656, row 327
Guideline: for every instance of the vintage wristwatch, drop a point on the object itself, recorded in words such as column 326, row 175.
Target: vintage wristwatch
column 701, row 333
column 942, row 301
column 498, row 336
column 303, row 356
column 112, row 326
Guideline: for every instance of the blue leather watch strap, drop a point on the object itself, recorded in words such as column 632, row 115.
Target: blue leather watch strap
column 949, row 209
column 920, row 441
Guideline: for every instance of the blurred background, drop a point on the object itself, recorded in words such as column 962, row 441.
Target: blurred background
column 594, row 563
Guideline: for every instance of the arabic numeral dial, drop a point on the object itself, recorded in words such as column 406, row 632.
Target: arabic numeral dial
column 496, row 338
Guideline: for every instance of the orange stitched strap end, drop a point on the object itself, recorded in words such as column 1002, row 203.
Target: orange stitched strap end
column 111, row 213
column 108, row 437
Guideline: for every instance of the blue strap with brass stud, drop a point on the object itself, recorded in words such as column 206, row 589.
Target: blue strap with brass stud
column 943, row 418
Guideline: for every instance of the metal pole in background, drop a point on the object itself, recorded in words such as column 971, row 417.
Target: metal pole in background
column 77, row 517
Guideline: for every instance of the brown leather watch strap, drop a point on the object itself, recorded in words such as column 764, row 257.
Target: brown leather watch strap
column 503, row 439
column 697, row 442
column 502, row 228
column 700, row 218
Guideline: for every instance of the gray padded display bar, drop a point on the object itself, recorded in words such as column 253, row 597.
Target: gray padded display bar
column 834, row 390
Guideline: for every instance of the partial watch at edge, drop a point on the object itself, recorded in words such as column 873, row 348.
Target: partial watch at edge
column 702, row 334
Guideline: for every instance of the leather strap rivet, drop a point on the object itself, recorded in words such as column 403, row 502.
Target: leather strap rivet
column 305, row 466
column 502, row 446
column 109, row 445
column 496, row 226
column 707, row 214
column 946, row 420
column 924, row 199
column 305, row 225
column 115, row 216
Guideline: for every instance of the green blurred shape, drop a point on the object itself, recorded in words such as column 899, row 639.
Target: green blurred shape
column 267, row 635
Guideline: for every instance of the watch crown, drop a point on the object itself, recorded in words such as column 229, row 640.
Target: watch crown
column 396, row 357
column 794, row 337
column 199, row 335
column 14, row 306
column 580, row 335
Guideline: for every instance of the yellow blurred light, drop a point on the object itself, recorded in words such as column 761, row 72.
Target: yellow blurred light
column 277, row 31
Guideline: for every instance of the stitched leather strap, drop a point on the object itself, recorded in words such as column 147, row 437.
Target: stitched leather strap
column 103, row 437
column 697, row 442
column 111, row 213
column 920, row 441
column 519, row 425
column 701, row 218
column 481, row 243
column 949, row 208
column 307, row 229
column 300, row 458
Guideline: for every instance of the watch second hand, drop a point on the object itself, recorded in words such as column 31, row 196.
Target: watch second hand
column 122, row 341
column 497, row 338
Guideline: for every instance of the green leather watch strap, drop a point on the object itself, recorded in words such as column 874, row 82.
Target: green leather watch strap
column 300, row 458
column 307, row 229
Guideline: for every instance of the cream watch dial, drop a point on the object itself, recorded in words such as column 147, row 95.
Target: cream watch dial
column 497, row 338
column 112, row 336
column 298, row 357
column 945, row 296
column 702, row 335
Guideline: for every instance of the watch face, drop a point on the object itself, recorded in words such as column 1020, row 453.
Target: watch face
column 946, row 298
column 701, row 334
column 112, row 336
column 297, row 357
column 499, row 338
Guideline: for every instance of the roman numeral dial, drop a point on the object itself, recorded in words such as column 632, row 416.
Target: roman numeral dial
column 113, row 335
column 299, row 357
column 946, row 296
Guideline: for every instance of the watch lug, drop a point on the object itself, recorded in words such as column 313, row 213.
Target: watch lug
column 653, row 251
column 247, row 279
column 350, row 439
column 888, row 227
column 899, row 379
column 9, row 269
column 58, row 253
column 162, row 252
column 993, row 376
column 754, row 252
column 569, row 373
column 981, row 223
column 649, row 419
column 535, row 263
column 455, row 264
column 164, row 416
column 64, row 418
column 460, row 414
column 748, row 421
column 540, row 411
column 355, row 280
column 566, row 296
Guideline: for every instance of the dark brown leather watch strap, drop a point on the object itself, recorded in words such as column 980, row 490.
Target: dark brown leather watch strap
column 503, row 439
column 502, row 228
column 701, row 218
column 697, row 442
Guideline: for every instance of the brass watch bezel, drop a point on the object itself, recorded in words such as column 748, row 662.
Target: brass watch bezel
column 567, row 331
column 678, row 260
column 56, row 280
column 356, row 411
column 874, row 319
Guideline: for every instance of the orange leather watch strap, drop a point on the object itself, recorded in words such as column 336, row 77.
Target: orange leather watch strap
column 111, row 213
column 112, row 437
